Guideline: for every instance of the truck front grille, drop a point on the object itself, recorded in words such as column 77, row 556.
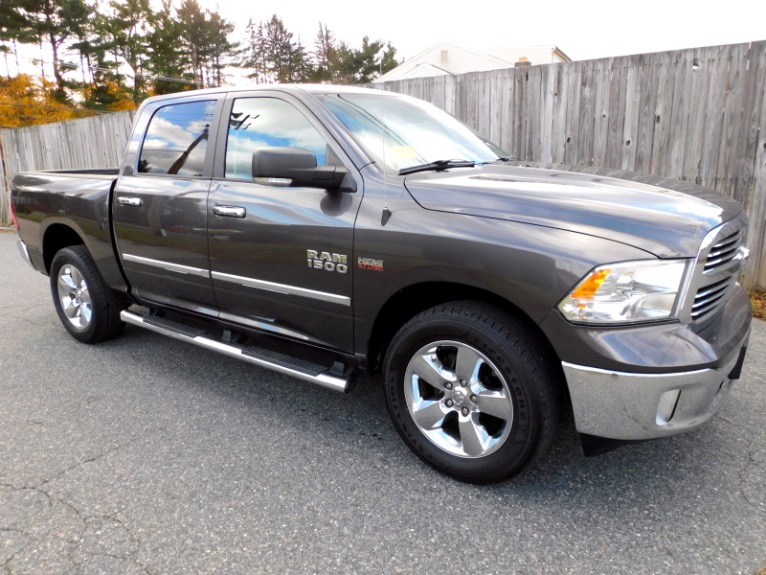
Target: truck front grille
column 717, row 269
column 723, row 252
column 708, row 298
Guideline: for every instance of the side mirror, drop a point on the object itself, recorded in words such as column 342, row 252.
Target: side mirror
column 295, row 167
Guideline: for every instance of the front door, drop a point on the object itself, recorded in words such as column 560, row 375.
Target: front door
column 281, row 257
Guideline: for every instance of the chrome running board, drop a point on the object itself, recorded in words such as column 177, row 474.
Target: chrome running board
column 306, row 371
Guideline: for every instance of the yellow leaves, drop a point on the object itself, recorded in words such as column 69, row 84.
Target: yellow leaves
column 122, row 106
column 110, row 96
column 26, row 101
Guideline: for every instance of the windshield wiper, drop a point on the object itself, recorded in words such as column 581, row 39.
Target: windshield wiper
column 437, row 165
column 501, row 159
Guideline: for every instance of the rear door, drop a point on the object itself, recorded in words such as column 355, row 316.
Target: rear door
column 160, row 207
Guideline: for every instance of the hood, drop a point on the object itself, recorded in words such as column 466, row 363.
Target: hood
column 665, row 217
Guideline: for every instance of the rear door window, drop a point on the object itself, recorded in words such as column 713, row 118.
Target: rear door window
column 176, row 139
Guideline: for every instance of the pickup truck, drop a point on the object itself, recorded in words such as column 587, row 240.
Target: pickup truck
column 319, row 230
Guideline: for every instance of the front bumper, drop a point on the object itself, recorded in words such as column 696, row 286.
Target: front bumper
column 637, row 406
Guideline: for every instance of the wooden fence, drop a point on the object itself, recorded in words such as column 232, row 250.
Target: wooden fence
column 95, row 142
column 697, row 115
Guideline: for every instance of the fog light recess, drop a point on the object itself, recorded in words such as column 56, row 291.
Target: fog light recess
column 666, row 408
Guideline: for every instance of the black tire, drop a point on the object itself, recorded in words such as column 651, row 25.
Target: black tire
column 86, row 306
column 497, row 421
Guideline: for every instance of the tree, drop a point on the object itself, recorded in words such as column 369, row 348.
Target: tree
column 14, row 28
column 364, row 65
column 388, row 62
column 25, row 102
column 325, row 55
column 170, row 64
column 273, row 55
column 218, row 49
column 205, row 40
column 52, row 22
column 129, row 30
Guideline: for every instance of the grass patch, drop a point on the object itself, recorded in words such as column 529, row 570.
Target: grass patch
column 762, row 571
column 758, row 300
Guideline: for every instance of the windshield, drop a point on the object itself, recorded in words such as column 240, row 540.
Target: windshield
column 400, row 133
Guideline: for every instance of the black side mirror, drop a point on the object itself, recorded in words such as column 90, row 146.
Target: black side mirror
column 295, row 167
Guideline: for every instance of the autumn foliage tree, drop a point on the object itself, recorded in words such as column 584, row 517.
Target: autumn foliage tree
column 25, row 101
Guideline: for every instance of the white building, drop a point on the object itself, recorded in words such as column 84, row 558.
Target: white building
column 445, row 59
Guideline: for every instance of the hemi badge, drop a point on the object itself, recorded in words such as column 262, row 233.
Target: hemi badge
column 371, row 264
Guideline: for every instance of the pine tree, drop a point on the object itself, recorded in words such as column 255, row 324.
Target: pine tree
column 168, row 61
column 273, row 56
column 52, row 22
column 325, row 55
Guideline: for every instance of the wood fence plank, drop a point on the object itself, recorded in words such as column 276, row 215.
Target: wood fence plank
column 751, row 108
column 663, row 114
column 629, row 140
column 534, row 80
column 702, row 60
column 507, row 113
column 586, row 113
column 573, row 112
column 733, row 145
column 756, row 268
column 714, row 120
column 683, row 65
column 559, row 128
column 547, row 97
column 618, row 77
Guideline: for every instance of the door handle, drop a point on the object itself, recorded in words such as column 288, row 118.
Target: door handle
column 129, row 201
column 230, row 211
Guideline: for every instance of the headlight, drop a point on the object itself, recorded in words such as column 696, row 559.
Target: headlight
column 626, row 292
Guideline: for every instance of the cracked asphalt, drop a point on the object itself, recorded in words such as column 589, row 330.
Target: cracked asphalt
column 144, row 455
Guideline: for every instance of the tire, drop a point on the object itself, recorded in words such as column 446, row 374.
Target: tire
column 471, row 392
column 86, row 306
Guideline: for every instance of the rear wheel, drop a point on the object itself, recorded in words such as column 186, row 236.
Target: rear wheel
column 470, row 392
column 86, row 306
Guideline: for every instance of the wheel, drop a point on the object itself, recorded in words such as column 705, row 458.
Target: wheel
column 88, row 308
column 470, row 391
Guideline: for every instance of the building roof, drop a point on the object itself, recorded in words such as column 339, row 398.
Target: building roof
column 446, row 58
column 540, row 54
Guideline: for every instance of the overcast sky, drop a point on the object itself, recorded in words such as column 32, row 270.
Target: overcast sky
column 583, row 29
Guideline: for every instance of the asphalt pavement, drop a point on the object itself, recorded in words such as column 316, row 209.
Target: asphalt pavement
column 144, row 455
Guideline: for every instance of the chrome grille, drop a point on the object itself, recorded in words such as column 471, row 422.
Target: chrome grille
column 723, row 252
column 716, row 271
column 709, row 297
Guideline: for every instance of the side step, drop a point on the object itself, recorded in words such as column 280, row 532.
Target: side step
column 275, row 361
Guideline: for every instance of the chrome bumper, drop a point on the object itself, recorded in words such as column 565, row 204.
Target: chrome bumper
column 634, row 406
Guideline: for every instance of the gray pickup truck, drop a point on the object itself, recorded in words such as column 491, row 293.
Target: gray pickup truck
column 316, row 231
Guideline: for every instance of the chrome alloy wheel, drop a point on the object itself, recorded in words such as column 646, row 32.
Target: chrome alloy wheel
column 74, row 296
column 458, row 399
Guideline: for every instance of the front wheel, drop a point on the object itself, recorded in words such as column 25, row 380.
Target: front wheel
column 471, row 392
column 86, row 306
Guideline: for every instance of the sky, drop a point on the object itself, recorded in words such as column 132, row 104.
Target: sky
column 583, row 29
